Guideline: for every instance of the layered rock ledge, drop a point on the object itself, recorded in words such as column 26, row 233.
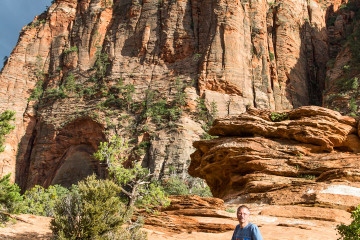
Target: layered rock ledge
column 309, row 155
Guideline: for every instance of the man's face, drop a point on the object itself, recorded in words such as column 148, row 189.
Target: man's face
column 243, row 215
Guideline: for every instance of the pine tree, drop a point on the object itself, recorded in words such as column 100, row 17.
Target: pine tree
column 5, row 126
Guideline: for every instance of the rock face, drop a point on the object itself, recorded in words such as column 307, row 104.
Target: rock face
column 127, row 64
column 341, row 91
column 309, row 155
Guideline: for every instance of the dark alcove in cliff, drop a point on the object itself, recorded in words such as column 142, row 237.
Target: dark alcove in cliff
column 77, row 164
column 61, row 156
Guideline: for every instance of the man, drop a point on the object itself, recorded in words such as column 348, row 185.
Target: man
column 245, row 230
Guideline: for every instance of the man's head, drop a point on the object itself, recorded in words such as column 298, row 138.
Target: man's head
column 243, row 215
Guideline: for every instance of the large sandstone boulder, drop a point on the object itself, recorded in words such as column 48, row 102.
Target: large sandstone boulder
column 308, row 156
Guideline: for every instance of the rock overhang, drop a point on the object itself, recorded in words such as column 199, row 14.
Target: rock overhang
column 297, row 160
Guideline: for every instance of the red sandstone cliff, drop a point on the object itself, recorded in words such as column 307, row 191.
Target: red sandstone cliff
column 266, row 54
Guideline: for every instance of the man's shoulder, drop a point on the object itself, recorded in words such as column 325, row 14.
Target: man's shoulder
column 252, row 226
column 255, row 230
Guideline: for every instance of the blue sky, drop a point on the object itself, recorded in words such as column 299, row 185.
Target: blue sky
column 14, row 14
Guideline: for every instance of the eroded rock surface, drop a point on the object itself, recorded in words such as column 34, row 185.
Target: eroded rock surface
column 310, row 157
column 180, row 215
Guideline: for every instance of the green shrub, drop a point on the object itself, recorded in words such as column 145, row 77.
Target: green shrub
column 207, row 116
column 199, row 187
column 108, row 3
column 5, row 127
column 230, row 210
column 346, row 84
column 207, row 136
column 346, row 67
column 201, row 109
column 96, row 85
column 141, row 149
column 37, row 91
column 40, row 76
column 88, row 91
column 55, row 93
column 71, row 49
column 278, row 117
column 101, row 63
column 352, row 105
column 352, row 114
column 132, row 232
column 176, row 186
column 196, row 57
column 90, row 211
column 159, row 110
column 121, row 96
column 352, row 231
column 35, row 23
column 40, row 201
column 308, row 176
column 99, row 86
column 10, row 198
column 70, row 84
column 202, row 191
column 180, row 94
column 271, row 55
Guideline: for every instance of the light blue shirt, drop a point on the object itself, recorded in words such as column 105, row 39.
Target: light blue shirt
column 250, row 232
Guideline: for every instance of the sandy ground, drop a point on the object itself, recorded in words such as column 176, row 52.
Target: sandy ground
column 272, row 228
column 33, row 227
column 294, row 230
column 268, row 232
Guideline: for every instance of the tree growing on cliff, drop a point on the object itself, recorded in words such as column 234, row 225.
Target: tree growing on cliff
column 5, row 127
column 10, row 198
column 352, row 231
column 135, row 182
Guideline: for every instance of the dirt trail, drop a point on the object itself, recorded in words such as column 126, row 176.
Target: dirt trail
column 271, row 227
column 31, row 228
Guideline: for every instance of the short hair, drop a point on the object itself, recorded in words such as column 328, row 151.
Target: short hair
column 243, row 207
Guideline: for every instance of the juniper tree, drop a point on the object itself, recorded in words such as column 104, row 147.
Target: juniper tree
column 5, row 127
column 91, row 210
column 351, row 231
column 135, row 182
